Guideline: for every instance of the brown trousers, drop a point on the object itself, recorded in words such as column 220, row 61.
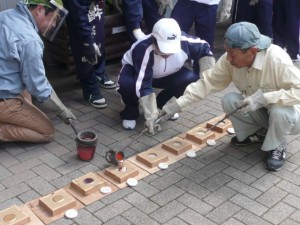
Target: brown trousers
column 20, row 120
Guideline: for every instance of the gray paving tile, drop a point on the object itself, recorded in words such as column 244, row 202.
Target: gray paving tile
column 41, row 186
column 86, row 218
column 223, row 212
column 191, row 217
column 13, row 191
column 110, row 211
column 168, row 211
column 271, row 197
column 278, row 213
column 135, row 216
column 244, row 189
column 166, row 180
column 29, row 164
column 46, row 172
column 7, row 159
column 249, row 218
column 52, row 160
column 117, row 196
column 145, row 189
column 18, row 178
column 289, row 187
column 249, row 204
column 216, row 181
column 167, row 195
column 239, row 175
column 193, row 188
column 118, row 221
column 175, row 221
column 142, row 203
column 64, row 180
column 219, row 196
column 266, row 182
column 232, row 221
column 195, row 204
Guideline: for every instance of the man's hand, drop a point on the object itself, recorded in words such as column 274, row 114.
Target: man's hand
column 253, row 2
column 169, row 109
column 53, row 103
column 252, row 103
column 148, row 103
column 138, row 33
column 162, row 6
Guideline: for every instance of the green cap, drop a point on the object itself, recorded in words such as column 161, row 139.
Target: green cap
column 38, row 2
column 245, row 35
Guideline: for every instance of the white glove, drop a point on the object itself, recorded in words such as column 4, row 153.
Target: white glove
column 168, row 110
column 252, row 103
column 53, row 103
column 205, row 63
column 97, row 50
column 138, row 33
column 253, row 2
column 148, row 103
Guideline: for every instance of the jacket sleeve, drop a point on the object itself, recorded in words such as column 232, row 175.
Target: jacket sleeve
column 143, row 60
column 78, row 17
column 133, row 13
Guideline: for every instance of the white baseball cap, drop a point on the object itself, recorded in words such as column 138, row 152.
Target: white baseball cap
column 167, row 33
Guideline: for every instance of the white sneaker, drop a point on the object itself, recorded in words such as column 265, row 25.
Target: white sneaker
column 174, row 117
column 129, row 124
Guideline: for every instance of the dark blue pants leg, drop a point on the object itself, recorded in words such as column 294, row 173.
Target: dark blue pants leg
column 187, row 12
column 286, row 23
column 260, row 14
column 127, row 91
column 150, row 11
column 173, row 85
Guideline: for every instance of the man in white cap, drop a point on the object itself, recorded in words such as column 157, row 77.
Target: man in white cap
column 157, row 60
column 269, row 86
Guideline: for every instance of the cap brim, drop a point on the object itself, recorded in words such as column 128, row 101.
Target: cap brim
column 170, row 47
column 264, row 42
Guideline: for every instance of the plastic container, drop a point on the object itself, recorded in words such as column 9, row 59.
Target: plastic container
column 86, row 145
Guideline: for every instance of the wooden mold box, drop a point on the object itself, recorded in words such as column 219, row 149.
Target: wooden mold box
column 221, row 127
column 57, row 202
column 177, row 146
column 13, row 216
column 87, row 184
column 152, row 157
column 121, row 176
column 199, row 136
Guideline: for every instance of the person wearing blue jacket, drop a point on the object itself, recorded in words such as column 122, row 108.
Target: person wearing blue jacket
column 157, row 61
column 85, row 23
column 22, row 72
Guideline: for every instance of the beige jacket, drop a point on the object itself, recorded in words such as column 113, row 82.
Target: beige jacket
column 272, row 71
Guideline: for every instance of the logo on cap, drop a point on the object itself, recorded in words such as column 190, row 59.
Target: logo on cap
column 173, row 37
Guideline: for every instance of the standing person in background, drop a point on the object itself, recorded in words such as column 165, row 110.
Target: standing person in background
column 85, row 23
column 150, row 11
column 157, row 61
column 286, row 25
column 201, row 12
column 22, row 72
column 258, row 12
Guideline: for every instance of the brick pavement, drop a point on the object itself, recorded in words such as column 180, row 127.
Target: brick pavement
column 222, row 185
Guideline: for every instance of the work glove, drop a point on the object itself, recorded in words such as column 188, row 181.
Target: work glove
column 162, row 6
column 53, row 103
column 148, row 103
column 225, row 8
column 138, row 33
column 205, row 63
column 252, row 103
column 253, row 2
column 90, row 53
column 169, row 109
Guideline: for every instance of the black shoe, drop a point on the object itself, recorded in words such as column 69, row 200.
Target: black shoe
column 276, row 158
column 255, row 138
column 105, row 82
column 97, row 101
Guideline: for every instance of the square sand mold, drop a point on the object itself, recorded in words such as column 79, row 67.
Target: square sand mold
column 53, row 206
column 15, row 215
column 87, row 188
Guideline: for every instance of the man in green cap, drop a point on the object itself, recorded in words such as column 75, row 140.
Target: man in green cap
column 22, row 72
column 269, row 91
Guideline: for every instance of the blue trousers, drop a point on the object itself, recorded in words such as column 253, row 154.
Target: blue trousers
column 187, row 12
column 172, row 85
column 260, row 14
column 286, row 23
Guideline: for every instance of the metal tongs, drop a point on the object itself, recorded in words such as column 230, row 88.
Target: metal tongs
column 223, row 120
column 117, row 157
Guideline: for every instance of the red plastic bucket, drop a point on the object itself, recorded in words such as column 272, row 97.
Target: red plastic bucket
column 86, row 145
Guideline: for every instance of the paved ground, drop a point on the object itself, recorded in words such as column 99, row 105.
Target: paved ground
column 222, row 185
